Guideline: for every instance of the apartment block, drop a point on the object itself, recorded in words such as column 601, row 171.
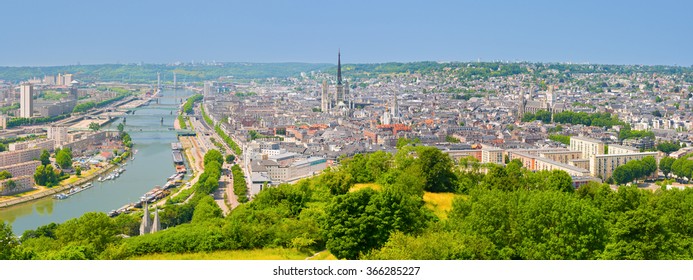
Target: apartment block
column 458, row 154
column 15, row 157
column 547, row 164
column 603, row 166
column 58, row 134
column 22, row 169
column 582, row 163
column 620, row 150
column 16, row 185
column 44, row 144
column 492, row 155
column 562, row 156
column 587, row 146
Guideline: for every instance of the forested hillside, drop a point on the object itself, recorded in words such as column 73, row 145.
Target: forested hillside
column 508, row 213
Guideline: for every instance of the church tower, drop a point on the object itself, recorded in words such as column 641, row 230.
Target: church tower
column 325, row 99
column 550, row 99
column 345, row 96
column 146, row 225
column 521, row 105
column 156, row 224
column 394, row 109
column 340, row 86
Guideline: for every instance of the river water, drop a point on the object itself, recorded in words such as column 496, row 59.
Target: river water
column 151, row 166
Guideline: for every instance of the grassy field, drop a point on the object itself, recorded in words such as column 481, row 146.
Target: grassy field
column 360, row 186
column 258, row 254
column 440, row 203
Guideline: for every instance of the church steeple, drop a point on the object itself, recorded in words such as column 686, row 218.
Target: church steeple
column 339, row 67
column 146, row 225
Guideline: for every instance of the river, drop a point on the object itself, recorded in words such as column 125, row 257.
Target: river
column 151, row 166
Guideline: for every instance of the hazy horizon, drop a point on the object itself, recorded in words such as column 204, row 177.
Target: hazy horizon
column 196, row 62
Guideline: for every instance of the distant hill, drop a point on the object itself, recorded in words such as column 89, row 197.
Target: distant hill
column 146, row 73
column 476, row 70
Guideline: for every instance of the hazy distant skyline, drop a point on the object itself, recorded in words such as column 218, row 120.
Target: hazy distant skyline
column 47, row 33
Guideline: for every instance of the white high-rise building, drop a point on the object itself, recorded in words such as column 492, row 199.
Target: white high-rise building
column 59, row 134
column 67, row 79
column 207, row 88
column 26, row 102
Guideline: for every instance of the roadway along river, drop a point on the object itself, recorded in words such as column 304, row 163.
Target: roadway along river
column 151, row 166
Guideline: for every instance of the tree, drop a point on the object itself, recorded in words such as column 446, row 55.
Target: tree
column 451, row 139
column 401, row 142
column 378, row 164
column 665, row 165
column 5, row 175
column 11, row 185
column 434, row 245
column 682, row 167
column 557, row 225
column 622, row 175
column 560, row 138
column 360, row 221
column 78, row 171
column 213, row 155
column 436, row 168
column 532, row 224
column 39, row 175
column 497, row 178
column 230, row 158
column 635, row 169
column 64, row 158
column 407, row 181
column 560, row 180
column 127, row 141
column 93, row 229
column 94, row 126
column 639, row 234
column 338, row 182
column 8, row 241
column 649, row 166
column 45, row 176
column 205, row 210
column 42, row 231
column 45, row 157
column 121, row 127
column 668, row 147
column 356, row 166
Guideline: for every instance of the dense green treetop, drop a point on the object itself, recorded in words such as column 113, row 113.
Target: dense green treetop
column 507, row 213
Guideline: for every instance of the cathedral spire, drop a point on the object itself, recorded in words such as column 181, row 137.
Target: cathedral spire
column 339, row 67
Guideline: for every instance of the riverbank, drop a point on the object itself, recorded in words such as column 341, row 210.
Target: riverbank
column 151, row 165
column 56, row 190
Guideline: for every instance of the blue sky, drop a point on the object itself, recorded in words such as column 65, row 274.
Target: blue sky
column 125, row 31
